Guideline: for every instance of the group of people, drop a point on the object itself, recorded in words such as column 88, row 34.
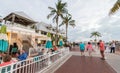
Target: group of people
column 89, row 48
column 111, row 47
column 15, row 54
column 12, row 57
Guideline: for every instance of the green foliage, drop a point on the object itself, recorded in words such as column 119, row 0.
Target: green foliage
column 96, row 34
column 3, row 29
column 115, row 7
column 67, row 20
column 57, row 12
column 48, row 34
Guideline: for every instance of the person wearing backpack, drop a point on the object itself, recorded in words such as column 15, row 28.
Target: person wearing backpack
column 82, row 48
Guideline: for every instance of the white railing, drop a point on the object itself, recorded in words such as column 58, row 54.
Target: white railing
column 17, row 25
column 35, row 64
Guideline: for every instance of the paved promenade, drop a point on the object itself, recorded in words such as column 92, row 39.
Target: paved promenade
column 86, row 64
column 82, row 64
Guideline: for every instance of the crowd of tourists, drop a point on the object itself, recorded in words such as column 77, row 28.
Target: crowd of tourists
column 101, row 45
column 15, row 54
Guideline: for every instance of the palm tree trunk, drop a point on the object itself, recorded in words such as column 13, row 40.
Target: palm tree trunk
column 95, row 42
column 66, row 31
column 56, row 31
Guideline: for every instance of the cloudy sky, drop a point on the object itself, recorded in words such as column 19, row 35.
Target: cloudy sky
column 90, row 15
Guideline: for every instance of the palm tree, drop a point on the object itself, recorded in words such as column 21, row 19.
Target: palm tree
column 95, row 34
column 67, row 20
column 57, row 12
column 115, row 7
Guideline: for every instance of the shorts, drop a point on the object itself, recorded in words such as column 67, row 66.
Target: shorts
column 90, row 50
column 101, row 51
column 82, row 50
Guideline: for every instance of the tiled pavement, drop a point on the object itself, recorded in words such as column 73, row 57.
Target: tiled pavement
column 85, row 64
column 112, row 59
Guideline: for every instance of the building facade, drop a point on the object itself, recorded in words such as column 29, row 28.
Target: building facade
column 26, row 32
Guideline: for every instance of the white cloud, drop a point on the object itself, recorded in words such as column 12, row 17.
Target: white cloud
column 90, row 15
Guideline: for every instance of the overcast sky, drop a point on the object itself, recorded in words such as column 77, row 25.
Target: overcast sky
column 90, row 15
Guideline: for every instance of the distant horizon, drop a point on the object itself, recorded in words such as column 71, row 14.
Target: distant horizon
column 89, row 15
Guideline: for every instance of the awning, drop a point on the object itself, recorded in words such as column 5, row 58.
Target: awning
column 20, row 17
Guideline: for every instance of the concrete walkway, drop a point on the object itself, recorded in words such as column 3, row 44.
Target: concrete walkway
column 85, row 64
column 112, row 62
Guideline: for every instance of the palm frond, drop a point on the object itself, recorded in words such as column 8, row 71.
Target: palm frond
column 98, row 34
column 72, row 21
column 115, row 7
column 61, row 7
column 51, row 14
column 64, row 11
column 73, row 25
column 54, row 19
column 91, row 36
column 62, row 16
column 95, row 34
column 58, row 5
column 61, row 24
column 69, row 17
column 51, row 8
column 69, row 14
column 64, row 4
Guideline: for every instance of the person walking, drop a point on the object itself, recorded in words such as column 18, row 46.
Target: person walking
column 107, row 49
column 89, row 48
column 82, row 48
column 112, row 47
column 102, row 49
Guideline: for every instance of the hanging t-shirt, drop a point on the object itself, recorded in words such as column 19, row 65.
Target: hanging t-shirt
column 14, row 49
